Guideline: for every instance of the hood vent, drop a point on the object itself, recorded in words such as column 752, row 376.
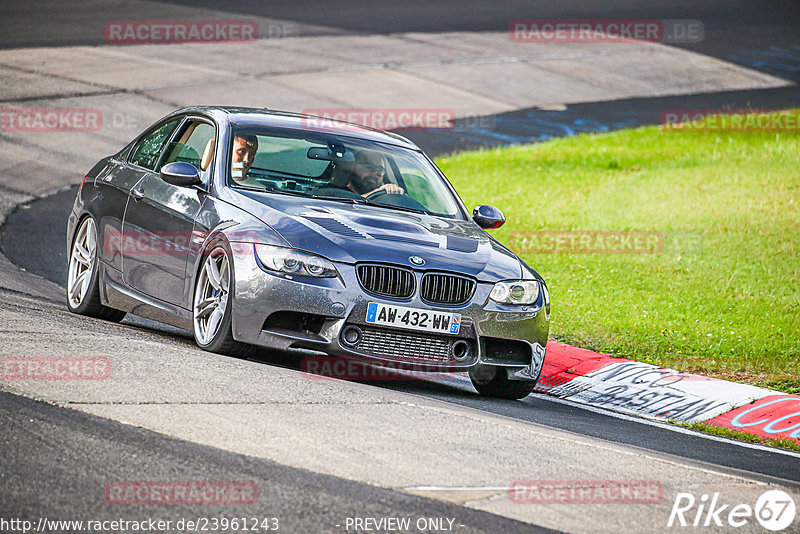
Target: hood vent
column 336, row 226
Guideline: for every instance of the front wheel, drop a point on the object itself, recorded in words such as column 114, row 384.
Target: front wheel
column 83, row 287
column 211, row 309
column 491, row 381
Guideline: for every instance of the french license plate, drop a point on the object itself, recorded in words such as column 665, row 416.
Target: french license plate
column 413, row 319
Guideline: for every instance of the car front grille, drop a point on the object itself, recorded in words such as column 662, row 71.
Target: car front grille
column 386, row 281
column 446, row 289
column 409, row 346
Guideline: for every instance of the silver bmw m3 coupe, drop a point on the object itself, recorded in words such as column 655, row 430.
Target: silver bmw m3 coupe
column 262, row 228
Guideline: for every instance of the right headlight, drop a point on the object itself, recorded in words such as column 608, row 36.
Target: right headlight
column 291, row 261
column 515, row 292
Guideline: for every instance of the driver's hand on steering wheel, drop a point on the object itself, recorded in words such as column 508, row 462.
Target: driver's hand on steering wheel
column 390, row 189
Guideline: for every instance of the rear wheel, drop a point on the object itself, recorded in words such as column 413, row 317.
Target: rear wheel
column 211, row 308
column 83, row 291
column 491, row 381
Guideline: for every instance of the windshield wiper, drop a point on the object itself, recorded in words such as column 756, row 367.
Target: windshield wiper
column 394, row 207
column 269, row 189
column 348, row 200
column 368, row 202
column 253, row 188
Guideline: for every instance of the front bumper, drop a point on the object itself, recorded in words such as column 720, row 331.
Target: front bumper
column 295, row 313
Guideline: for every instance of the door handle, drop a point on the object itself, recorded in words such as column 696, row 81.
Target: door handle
column 137, row 194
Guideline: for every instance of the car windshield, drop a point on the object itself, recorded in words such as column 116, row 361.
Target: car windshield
column 338, row 168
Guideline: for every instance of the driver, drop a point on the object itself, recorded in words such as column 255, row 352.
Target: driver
column 366, row 177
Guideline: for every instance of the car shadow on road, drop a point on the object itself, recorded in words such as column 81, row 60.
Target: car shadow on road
column 453, row 386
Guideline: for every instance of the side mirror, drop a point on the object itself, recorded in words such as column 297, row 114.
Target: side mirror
column 488, row 217
column 180, row 173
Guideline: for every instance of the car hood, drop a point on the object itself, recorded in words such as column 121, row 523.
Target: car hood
column 353, row 233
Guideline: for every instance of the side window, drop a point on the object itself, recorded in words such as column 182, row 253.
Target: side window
column 147, row 151
column 194, row 145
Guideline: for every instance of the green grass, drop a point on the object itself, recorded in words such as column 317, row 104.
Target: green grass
column 721, row 298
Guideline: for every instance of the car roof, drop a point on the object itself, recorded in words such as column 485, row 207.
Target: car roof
column 243, row 116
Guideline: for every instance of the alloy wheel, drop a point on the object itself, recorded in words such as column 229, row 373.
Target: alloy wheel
column 211, row 296
column 81, row 263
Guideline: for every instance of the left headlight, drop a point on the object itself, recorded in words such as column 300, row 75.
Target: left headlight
column 515, row 292
column 291, row 261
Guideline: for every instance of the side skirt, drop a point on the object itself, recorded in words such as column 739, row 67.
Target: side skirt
column 114, row 293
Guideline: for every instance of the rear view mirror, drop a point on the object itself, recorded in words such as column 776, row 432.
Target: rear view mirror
column 333, row 152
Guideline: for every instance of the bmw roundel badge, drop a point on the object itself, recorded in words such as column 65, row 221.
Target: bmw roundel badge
column 416, row 260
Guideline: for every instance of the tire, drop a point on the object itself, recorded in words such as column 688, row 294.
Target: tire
column 83, row 287
column 211, row 305
column 493, row 381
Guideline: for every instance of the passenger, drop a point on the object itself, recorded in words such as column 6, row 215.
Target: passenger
column 244, row 153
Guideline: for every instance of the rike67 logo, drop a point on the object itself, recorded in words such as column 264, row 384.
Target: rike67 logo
column 774, row 510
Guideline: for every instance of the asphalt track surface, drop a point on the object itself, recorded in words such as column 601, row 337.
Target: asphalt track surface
column 731, row 27
column 749, row 32
column 67, row 482
column 56, row 478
